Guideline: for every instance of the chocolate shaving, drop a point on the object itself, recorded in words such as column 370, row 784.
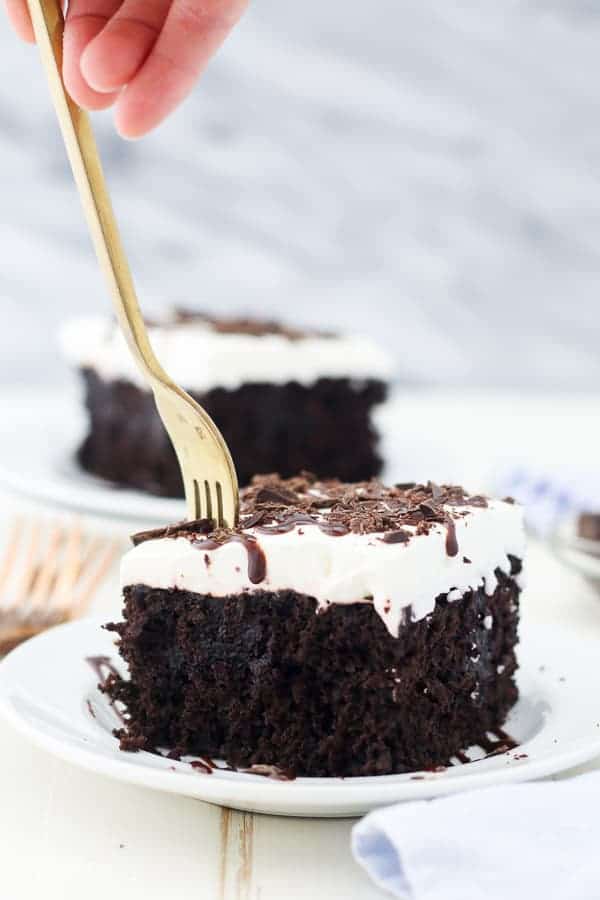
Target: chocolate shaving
column 193, row 528
column 254, row 518
column 431, row 510
column 479, row 501
column 278, row 496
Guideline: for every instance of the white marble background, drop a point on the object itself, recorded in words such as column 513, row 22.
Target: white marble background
column 421, row 169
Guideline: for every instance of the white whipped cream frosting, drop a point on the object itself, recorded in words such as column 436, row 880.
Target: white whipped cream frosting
column 199, row 358
column 348, row 569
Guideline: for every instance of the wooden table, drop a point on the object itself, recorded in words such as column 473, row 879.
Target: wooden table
column 67, row 834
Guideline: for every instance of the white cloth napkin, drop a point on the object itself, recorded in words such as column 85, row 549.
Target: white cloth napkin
column 550, row 495
column 514, row 842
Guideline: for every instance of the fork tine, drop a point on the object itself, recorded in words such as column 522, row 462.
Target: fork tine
column 220, row 516
column 209, row 503
column 197, row 500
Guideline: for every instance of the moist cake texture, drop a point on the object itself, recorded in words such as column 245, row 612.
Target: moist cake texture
column 339, row 630
column 284, row 399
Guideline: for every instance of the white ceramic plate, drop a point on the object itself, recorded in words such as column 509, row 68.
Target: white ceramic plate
column 48, row 691
column 40, row 430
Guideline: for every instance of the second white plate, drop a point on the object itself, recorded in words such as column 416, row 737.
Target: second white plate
column 40, row 430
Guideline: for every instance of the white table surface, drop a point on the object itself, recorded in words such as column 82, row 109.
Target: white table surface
column 65, row 833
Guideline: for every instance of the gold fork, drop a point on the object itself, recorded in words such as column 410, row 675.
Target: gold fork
column 49, row 574
column 209, row 476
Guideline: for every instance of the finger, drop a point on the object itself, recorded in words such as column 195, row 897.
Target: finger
column 113, row 58
column 19, row 19
column 85, row 19
column 192, row 33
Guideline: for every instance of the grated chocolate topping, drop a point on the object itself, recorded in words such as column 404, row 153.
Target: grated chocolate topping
column 246, row 325
column 194, row 528
column 272, row 505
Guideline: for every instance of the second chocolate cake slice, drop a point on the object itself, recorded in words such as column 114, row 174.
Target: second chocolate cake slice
column 284, row 399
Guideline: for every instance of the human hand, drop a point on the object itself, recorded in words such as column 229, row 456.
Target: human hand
column 142, row 56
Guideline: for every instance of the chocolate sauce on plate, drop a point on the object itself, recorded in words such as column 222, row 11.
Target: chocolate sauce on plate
column 104, row 668
column 501, row 742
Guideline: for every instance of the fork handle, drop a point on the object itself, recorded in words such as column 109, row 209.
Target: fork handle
column 48, row 25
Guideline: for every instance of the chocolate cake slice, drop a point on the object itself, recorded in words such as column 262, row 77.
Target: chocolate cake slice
column 341, row 629
column 284, row 399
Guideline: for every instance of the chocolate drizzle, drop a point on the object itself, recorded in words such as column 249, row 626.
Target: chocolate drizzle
column 494, row 743
column 103, row 667
column 451, row 542
column 499, row 743
column 333, row 529
column 105, row 672
column 207, row 766
column 257, row 561
column 272, row 772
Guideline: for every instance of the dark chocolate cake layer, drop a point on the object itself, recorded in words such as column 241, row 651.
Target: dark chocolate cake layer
column 268, row 427
column 261, row 678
